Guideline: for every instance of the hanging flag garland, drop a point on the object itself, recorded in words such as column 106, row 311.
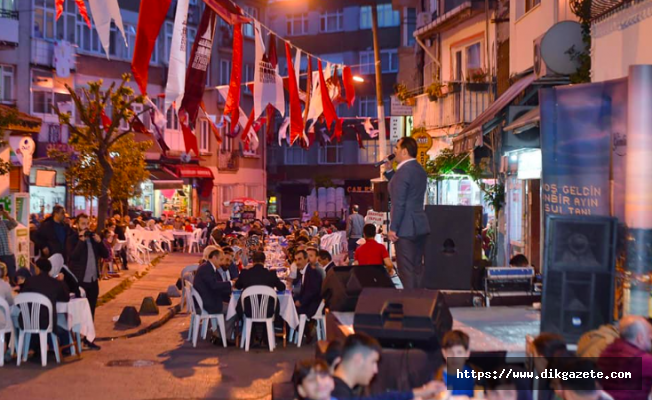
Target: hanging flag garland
column 82, row 10
column 150, row 19
column 268, row 85
column 103, row 12
column 347, row 76
column 229, row 12
column 175, row 87
column 200, row 59
column 232, row 105
column 296, row 119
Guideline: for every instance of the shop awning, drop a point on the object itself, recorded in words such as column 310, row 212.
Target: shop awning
column 163, row 179
column 472, row 134
column 193, row 171
column 25, row 123
column 526, row 121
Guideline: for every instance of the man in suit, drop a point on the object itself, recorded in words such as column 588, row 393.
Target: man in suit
column 309, row 297
column 213, row 290
column 52, row 234
column 257, row 275
column 325, row 259
column 409, row 225
column 228, row 263
column 85, row 250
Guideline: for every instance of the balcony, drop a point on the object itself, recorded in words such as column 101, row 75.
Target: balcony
column 460, row 106
column 9, row 31
column 42, row 52
column 228, row 160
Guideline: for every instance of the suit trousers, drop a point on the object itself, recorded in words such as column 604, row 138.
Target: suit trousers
column 92, row 290
column 409, row 257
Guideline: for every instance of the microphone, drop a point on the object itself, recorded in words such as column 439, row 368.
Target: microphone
column 383, row 161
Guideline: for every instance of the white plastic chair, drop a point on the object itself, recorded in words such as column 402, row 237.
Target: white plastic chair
column 193, row 240
column 29, row 305
column 319, row 318
column 259, row 297
column 199, row 315
column 186, row 297
column 4, row 329
column 204, row 237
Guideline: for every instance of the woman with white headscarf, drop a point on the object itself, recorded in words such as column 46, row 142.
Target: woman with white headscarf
column 61, row 272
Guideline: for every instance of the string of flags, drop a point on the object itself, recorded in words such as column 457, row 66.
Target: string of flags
column 311, row 109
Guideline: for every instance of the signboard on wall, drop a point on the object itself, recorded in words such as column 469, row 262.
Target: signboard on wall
column 399, row 109
column 424, row 143
column 396, row 129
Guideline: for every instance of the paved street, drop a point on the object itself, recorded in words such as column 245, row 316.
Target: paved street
column 157, row 365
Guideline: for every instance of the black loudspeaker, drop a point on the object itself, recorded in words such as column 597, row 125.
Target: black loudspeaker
column 381, row 196
column 454, row 247
column 579, row 265
column 368, row 276
column 343, row 285
column 402, row 318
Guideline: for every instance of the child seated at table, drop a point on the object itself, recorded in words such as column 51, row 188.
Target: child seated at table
column 455, row 349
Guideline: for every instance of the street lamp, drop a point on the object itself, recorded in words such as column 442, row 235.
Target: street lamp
column 358, row 78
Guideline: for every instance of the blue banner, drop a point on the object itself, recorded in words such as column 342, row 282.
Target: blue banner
column 583, row 149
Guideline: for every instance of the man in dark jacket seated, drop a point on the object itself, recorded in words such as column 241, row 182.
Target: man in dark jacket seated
column 307, row 302
column 214, row 292
column 230, row 270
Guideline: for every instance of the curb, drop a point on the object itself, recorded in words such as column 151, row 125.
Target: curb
column 126, row 284
column 172, row 311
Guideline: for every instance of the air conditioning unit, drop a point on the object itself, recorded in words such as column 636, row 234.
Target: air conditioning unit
column 552, row 50
column 525, row 140
column 423, row 19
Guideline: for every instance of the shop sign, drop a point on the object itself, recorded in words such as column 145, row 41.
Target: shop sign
column 362, row 186
column 399, row 109
column 424, row 143
column 396, row 126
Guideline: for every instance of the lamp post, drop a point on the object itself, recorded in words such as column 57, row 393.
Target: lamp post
column 382, row 135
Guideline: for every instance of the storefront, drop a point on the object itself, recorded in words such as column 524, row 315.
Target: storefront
column 47, row 189
column 460, row 190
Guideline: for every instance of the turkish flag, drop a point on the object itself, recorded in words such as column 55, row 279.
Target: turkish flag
column 329, row 109
column 348, row 86
column 296, row 119
column 150, row 19
column 189, row 138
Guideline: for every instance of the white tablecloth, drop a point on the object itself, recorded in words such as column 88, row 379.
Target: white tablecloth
column 78, row 315
column 287, row 309
column 181, row 233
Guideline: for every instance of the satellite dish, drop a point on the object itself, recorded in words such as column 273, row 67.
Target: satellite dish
column 556, row 44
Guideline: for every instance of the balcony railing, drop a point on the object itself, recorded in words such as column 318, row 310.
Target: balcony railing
column 42, row 52
column 228, row 160
column 461, row 105
column 9, row 31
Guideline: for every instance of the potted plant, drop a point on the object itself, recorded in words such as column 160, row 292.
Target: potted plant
column 477, row 80
column 434, row 91
column 403, row 95
column 454, row 87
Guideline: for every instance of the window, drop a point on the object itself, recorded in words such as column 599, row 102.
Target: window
column 368, row 106
column 6, row 84
column 466, row 58
column 369, row 154
column 297, row 24
column 248, row 29
column 225, row 72
column 331, row 153
column 388, row 61
column 331, row 21
column 169, row 29
column 473, row 57
column 248, row 76
column 226, row 194
column 410, row 24
column 204, row 135
column 387, row 17
column 46, row 27
column 530, row 4
column 227, row 141
column 172, row 119
column 190, row 40
column 295, row 155
column 45, row 93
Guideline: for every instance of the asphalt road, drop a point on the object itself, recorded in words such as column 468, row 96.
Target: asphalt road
column 158, row 365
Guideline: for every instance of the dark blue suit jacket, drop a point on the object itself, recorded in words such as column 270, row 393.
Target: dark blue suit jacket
column 211, row 289
column 407, row 190
column 234, row 274
column 310, row 294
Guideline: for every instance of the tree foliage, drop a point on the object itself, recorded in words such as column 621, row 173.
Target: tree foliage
column 582, row 8
column 105, row 160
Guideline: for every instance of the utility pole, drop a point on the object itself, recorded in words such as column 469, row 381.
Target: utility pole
column 382, row 134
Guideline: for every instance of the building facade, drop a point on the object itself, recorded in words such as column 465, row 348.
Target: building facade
column 338, row 32
column 31, row 82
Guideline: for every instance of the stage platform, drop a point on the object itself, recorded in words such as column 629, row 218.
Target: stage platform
column 491, row 329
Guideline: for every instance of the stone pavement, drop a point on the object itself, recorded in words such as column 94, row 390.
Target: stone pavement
column 157, row 280
column 158, row 365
